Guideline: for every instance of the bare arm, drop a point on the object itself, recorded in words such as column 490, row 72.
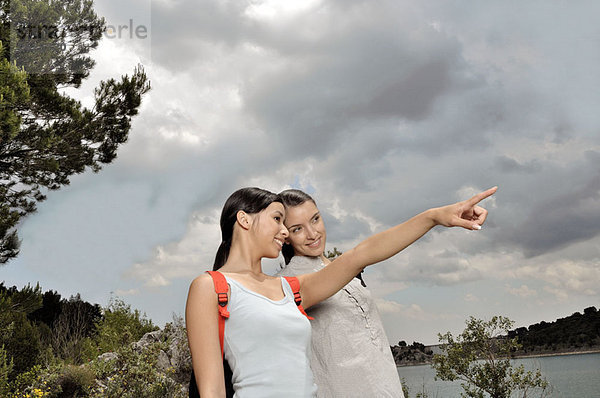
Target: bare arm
column 317, row 286
column 201, row 318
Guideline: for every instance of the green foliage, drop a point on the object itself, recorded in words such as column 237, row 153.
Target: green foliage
column 420, row 394
column 39, row 361
column 20, row 339
column 26, row 300
column 405, row 390
column 52, row 37
column 76, row 381
column 31, row 383
column 333, row 254
column 46, row 136
column 121, row 326
column 575, row 332
column 56, row 381
column 479, row 357
column 6, row 366
column 72, row 329
column 23, row 343
column 14, row 92
column 56, row 327
column 50, row 310
column 134, row 374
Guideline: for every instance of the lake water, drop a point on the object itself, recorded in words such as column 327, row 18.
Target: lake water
column 570, row 376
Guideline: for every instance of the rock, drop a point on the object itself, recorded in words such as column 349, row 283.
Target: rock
column 108, row 356
column 148, row 339
column 163, row 363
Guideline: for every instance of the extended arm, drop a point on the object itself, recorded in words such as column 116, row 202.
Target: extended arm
column 201, row 318
column 319, row 285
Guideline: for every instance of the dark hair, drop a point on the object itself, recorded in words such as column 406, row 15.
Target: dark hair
column 292, row 198
column 250, row 200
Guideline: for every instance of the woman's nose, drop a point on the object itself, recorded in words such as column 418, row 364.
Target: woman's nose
column 310, row 232
column 284, row 231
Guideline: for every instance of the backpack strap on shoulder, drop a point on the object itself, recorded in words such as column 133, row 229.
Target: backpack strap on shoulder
column 295, row 285
column 221, row 288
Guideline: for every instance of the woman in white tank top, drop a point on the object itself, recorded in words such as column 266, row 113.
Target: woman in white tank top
column 267, row 340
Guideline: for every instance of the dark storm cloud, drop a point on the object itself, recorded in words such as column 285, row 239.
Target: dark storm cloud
column 509, row 165
column 367, row 77
column 329, row 77
column 565, row 218
column 179, row 28
column 344, row 228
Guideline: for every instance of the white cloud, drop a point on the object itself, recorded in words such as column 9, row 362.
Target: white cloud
column 183, row 259
column 523, row 291
column 559, row 294
column 471, row 298
column 273, row 10
column 412, row 311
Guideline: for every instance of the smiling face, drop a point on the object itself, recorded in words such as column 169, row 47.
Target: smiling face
column 306, row 229
column 269, row 229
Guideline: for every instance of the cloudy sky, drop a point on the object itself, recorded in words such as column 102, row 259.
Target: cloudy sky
column 380, row 109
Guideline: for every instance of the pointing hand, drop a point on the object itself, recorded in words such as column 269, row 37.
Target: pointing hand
column 466, row 214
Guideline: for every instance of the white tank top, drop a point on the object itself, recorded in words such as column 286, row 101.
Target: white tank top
column 267, row 345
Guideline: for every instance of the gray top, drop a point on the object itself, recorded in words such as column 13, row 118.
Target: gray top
column 351, row 355
column 267, row 345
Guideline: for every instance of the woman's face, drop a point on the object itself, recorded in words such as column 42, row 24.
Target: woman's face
column 269, row 229
column 306, row 229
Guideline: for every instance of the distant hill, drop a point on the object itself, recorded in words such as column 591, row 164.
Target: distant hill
column 575, row 333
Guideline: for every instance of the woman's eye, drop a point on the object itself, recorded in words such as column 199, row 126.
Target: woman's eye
column 316, row 219
column 277, row 218
column 295, row 230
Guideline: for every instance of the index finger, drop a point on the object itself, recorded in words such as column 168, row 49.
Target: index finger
column 480, row 196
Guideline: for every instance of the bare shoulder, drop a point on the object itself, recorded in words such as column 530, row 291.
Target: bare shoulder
column 202, row 289
column 201, row 282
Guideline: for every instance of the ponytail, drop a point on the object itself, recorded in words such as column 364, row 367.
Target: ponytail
column 222, row 254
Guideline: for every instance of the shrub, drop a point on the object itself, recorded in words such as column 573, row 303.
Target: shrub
column 121, row 326
column 133, row 374
column 6, row 365
column 76, row 381
column 479, row 357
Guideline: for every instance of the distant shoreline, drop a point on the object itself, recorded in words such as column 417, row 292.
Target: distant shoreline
column 595, row 350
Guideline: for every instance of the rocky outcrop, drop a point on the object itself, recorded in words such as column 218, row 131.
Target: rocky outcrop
column 173, row 354
column 161, row 356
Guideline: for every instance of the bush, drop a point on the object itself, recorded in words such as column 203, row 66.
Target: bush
column 133, row 374
column 121, row 326
column 30, row 384
column 6, row 365
column 22, row 343
column 76, row 381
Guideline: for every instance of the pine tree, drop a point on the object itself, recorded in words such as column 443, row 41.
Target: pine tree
column 47, row 136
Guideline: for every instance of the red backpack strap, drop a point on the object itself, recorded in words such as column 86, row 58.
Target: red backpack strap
column 295, row 285
column 221, row 287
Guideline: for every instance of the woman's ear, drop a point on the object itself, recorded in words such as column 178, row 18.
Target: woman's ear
column 244, row 219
